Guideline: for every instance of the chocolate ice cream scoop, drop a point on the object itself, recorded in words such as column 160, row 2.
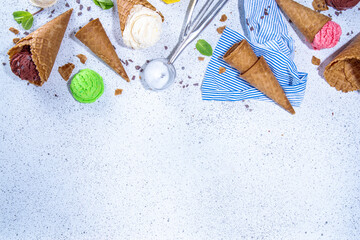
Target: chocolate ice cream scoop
column 342, row 4
column 23, row 66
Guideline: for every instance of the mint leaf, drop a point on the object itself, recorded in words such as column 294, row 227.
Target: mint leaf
column 27, row 23
column 20, row 15
column 104, row 4
column 24, row 18
column 204, row 47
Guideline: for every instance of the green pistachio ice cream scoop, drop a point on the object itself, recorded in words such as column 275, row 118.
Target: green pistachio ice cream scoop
column 87, row 86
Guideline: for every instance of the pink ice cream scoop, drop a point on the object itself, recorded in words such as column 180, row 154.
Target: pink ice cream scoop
column 328, row 36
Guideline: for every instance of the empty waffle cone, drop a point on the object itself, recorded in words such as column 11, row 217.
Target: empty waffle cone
column 308, row 21
column 125, row 6
column 343, row 72
column 44, row 45
column 257, row 73
column 261, row 77
column 94, row 37
column 241, row 56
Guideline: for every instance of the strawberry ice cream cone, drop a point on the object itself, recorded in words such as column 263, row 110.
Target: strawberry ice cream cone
column 317, row 28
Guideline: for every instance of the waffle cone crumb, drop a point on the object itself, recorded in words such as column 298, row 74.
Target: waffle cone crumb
column 15, row 40
column 223, row 18
column 315, row 61
column 66, row 70
column 82, row 58
column 220, row 30
column 14, row 30
column 222, row 70
column 118, row 92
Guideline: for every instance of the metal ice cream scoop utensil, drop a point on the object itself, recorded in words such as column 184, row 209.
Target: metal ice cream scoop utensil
column 159, row 74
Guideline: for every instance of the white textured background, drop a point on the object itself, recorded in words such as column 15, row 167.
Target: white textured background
column 168, row 165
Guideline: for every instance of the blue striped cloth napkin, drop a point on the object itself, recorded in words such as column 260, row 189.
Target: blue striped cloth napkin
column 268, row 35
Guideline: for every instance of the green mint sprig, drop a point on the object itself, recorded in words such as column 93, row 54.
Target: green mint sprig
column 204, row 47
column 104, row 4
column 25, row 18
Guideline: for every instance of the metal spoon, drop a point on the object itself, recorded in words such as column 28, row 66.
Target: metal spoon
column 191, row 31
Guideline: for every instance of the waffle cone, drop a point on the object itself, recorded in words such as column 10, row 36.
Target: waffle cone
column 308, row 21
column 44, row 45
column 125, row 6
column 261, row 77
column 241, row 56
column 257, row 73
column 94, row 37
column 343, row 72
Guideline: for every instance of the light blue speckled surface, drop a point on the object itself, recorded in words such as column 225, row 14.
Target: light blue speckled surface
column 168, row 165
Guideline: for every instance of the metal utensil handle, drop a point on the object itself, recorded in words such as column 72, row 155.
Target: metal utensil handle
column 199, row 25
column 207, row 20
column 189, row 15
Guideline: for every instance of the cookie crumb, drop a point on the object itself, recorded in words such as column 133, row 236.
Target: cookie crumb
column 15, row 40
column 201, row 58
column 82, row 58
column 14, row 30
column 66, row 70
column 320, row 5
column 222, row 70
column 220, row 30
column 223, row 18
column 118, row 92
column 315, row 61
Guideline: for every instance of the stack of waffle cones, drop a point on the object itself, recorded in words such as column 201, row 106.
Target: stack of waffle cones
column 44, row 45
column 308, row 21
column 93, row 35
column 257, row 73
column 125, row 6
column 343, row 72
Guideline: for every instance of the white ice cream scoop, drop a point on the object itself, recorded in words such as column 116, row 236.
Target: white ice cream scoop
column 43, row 3
column 142, row 28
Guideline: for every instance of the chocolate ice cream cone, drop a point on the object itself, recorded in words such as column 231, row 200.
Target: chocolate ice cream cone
column 125, row 6
column 94, row 37
column 343, row 72
column 44, row 45
column 308, row 21
column 257, row 73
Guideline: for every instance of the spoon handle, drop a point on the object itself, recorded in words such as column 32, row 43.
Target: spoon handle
column 189, row 15
column 199, row 24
